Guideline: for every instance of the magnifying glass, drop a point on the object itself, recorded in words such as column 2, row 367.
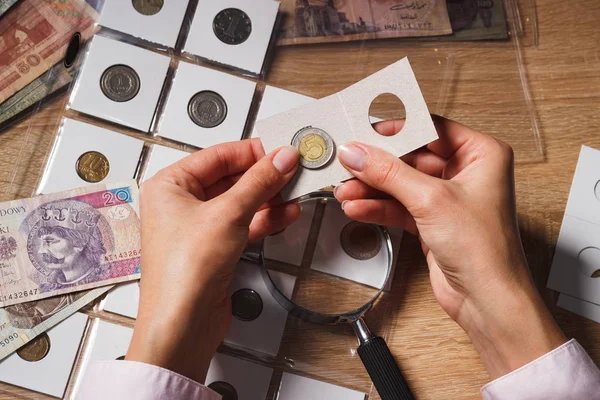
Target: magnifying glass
column 339, row 282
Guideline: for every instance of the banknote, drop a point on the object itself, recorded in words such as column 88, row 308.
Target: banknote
column 21, row 323
column 322, row 21
column 69, row 241
column 5, row 5
column 34, row 36
column 477, row 20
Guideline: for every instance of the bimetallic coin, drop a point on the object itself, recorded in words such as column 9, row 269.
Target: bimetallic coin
column 226, row 390
column 360, row 241
column 92, row 166
column 148, row 7
column 120, row 83
column 232, row 26
column 207, row 109
column 36, row 349
column 246, row 305
column 315, row 146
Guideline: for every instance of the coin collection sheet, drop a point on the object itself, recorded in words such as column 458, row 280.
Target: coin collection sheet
column 575, row 270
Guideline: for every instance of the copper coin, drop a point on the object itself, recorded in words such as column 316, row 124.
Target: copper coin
column 232, row 26
column 360, row 241
column 148, row 7
column 596, row 274
column 36, row 349
column 246, row 305
column 226, row 390
column 120, row 83
column 92, row 166
column 207, row 109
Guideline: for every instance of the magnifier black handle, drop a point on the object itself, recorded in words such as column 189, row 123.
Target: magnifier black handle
column 383, row 370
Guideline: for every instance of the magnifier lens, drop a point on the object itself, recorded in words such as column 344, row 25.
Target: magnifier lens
column 343, row 266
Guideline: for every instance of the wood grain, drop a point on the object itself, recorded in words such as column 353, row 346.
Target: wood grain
column 564, row 74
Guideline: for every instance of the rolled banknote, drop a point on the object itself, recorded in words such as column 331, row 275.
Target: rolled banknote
column 22, row 323
column 69, row 241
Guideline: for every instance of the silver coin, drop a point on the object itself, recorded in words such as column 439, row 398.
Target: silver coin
column 232, row 26
column 120, row 83
column 148, row 7
column 207, row 109
column 246, row 305
column 226, row 390
column 315, row 146
column 360, row 241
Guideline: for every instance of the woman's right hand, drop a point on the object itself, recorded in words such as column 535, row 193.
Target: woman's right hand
column 457, row 195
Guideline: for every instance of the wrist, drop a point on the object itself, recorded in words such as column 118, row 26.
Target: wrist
column 512, row 332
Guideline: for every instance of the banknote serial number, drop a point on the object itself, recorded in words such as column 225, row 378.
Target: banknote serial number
column 19, row 295
column 123, row 255
column 10, row 338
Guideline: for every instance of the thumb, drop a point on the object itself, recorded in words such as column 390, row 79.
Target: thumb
column 264, row 180
column 385, row 172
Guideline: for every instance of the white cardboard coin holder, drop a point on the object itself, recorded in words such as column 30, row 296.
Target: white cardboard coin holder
column 295, row 387
column 87, row 96
column 329, row 256
column 51, row 374
column 580, row 307
column 123, row 300
column 161, row 28
column 251, row 381
column 345, row 117
column 190, row 79
column 161, row 157
column 263, row 334
column 248, row 56
column 577, row 254
column 76, row 138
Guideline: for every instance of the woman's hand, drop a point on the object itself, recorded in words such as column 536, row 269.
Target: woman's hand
column 197, row 216
column 457, row 195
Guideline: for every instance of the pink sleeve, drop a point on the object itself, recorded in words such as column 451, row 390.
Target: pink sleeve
column 133, row 380
column 565, row 373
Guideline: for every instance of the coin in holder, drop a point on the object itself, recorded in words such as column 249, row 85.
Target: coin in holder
column 246, row 305
column 232, row 26
column 92, row 166
column 120, row 83
column 360, row 241
column 120, row 358
column 36, row 349
column 315, row 145
column 226, row 390
column 207, row 109
column 148, row 7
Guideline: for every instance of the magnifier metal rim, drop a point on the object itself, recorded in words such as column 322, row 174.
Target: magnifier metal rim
column 313, row 316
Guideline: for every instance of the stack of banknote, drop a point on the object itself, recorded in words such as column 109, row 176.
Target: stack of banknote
column 61, row 251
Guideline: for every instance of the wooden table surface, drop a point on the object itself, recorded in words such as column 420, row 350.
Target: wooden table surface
column 484, row 91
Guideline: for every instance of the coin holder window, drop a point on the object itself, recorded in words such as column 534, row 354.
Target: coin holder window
column 156, row 24
column 249, row 380
column 75, row 138
column 50, row 374
column 98, row 80
column 123, row 300
column 161, row 157
column 331, row 257
column 176, row 122
column 262, row 334
column 295, row 387
column 106, row 342
column 212, row 34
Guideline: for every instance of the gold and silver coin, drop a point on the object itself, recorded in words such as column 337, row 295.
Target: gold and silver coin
column 92, row 166
column 360, row 241
column 120, row 83
column 207, row 109
column 148, row 7
column 36, row 349
column 315, row 146
column 232, row 26
column 226, row 390
column 246, row 305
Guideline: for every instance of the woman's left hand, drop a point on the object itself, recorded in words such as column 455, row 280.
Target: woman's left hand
column 197, row 217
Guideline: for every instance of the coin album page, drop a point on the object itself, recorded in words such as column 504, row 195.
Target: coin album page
column 120, row 83
column 575, row 270
column 209, row 39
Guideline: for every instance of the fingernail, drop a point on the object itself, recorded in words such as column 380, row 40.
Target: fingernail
column 353, row 157
column 335, row 191
column 344, row 204
column 286, row 159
